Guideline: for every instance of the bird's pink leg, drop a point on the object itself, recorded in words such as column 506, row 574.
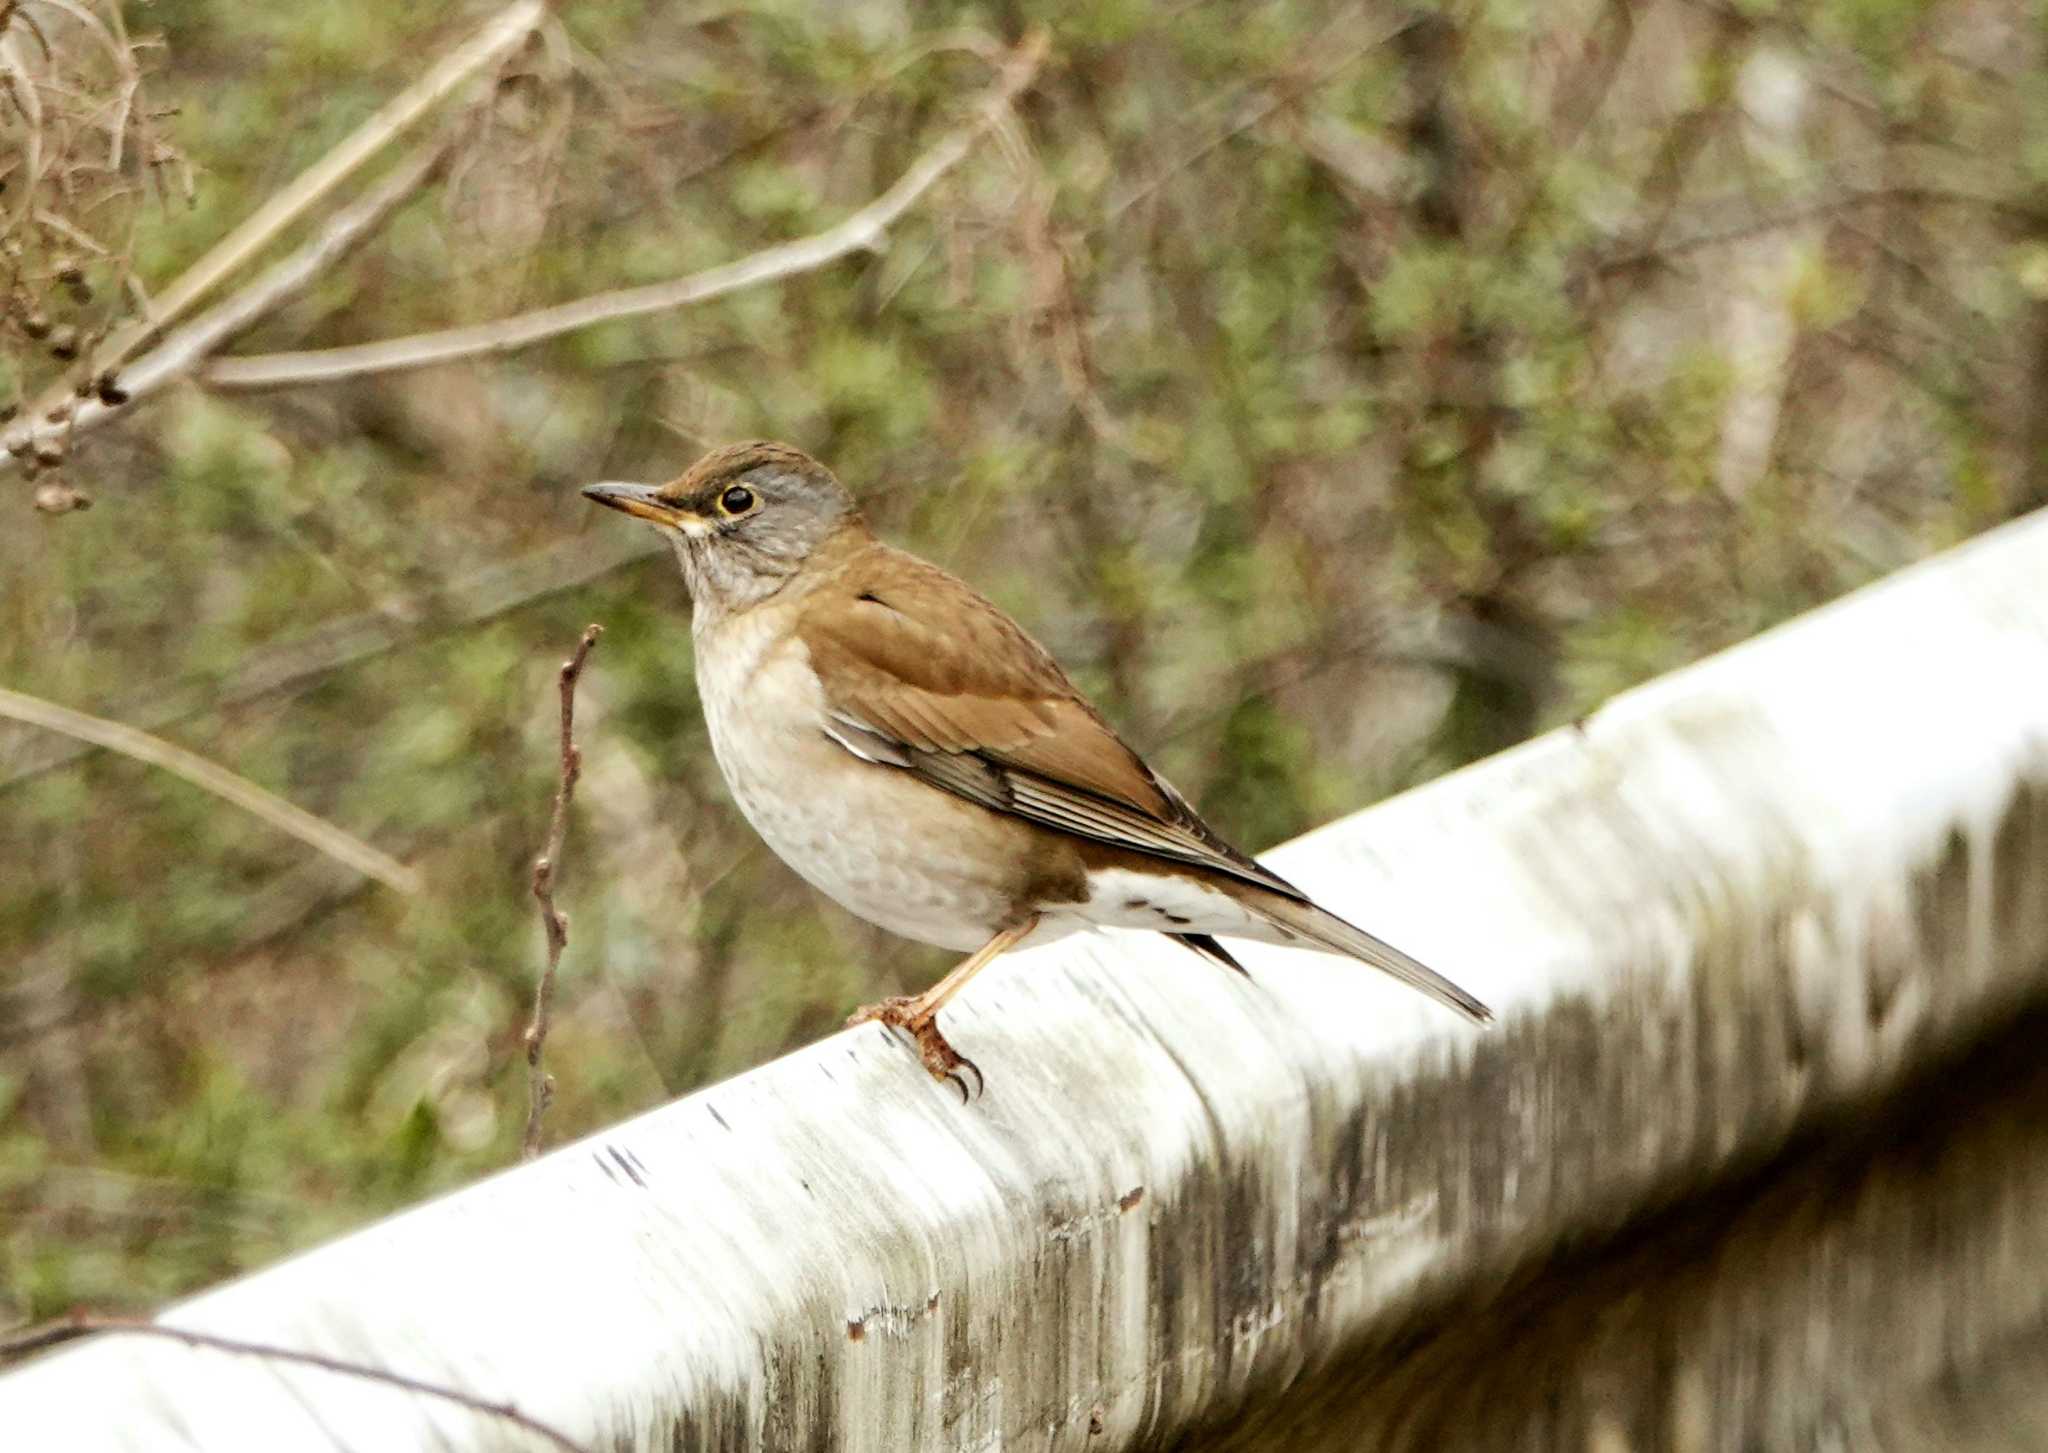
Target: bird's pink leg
column 918, row 1013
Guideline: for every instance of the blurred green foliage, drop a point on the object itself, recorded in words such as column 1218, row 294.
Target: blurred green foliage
column 1342, row 394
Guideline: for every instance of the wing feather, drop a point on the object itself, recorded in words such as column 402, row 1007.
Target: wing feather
column 921, row 672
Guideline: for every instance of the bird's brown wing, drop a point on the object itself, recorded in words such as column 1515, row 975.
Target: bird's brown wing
column 920, row 672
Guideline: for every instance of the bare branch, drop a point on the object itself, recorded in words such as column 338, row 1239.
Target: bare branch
column 505, row 31
column 862, row 231
column 214, row 778
column 554, row 924
column 86, row 1324
column 54, row 414
column 184, row 350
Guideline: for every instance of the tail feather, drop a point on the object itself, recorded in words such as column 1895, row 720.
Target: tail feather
column 1327, row 931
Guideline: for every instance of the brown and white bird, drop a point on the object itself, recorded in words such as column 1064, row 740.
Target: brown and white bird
column 911, row 752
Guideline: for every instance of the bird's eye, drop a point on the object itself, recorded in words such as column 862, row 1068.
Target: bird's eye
column 737, row 500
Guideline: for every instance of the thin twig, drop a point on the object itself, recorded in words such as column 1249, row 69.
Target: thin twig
column 86, row 1324
column 214, row 778
column 554, row 924
column 863, row 231
column 490, row 44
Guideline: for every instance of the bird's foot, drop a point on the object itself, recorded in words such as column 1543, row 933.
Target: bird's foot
column 941, row 1061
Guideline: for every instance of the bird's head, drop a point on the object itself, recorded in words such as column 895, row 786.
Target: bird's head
column 743, row 520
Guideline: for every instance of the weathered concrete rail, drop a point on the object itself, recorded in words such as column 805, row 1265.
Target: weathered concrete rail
column 1732, row 923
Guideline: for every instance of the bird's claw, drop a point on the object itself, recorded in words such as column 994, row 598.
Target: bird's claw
column 941, row 1061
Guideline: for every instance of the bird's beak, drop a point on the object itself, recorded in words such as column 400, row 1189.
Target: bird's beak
column 643, row 502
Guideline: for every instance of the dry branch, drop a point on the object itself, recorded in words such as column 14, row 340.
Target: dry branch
column 185, row 349
column 554, row 924
column 863, row 231
column 508, row 29
column 212, row 777
column 50, row 417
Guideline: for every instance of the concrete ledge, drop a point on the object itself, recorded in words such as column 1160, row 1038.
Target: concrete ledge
column 1720, row 917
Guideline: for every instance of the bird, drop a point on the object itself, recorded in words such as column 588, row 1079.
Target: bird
column 913, row 753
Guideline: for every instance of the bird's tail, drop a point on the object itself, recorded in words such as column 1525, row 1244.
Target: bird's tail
column 1327, row 931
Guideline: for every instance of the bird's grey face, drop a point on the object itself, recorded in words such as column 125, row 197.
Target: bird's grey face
column 741, row 522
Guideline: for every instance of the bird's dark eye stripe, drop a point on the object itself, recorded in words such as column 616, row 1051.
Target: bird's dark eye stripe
column 736, row 500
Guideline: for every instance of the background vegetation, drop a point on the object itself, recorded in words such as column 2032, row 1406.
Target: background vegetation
column 1343, row 391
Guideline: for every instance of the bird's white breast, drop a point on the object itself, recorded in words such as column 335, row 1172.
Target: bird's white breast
column 887, row 847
